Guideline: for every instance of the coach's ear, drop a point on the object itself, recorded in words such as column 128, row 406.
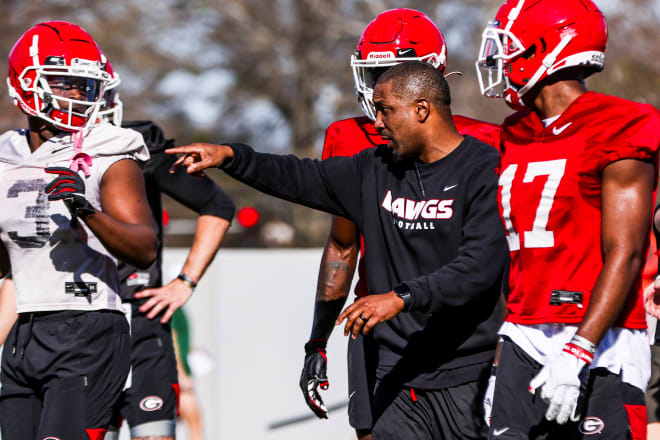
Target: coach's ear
column 422, row 109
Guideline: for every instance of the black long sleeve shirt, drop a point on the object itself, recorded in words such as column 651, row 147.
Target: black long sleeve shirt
column 433, row 227
column 201, row 195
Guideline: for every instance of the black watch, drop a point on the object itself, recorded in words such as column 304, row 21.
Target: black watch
column 403, row 292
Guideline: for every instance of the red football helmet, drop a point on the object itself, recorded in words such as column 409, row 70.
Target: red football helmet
column 112, row 109
column 55, row 73
column 395, row 36
column 530, row 40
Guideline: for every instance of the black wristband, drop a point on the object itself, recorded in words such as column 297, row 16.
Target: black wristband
column 313, row 345
column 187, row 280
column 403, row 292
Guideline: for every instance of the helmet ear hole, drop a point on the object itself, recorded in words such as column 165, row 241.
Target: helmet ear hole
column 529, row 53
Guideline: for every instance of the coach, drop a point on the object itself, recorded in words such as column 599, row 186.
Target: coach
column 427, row 206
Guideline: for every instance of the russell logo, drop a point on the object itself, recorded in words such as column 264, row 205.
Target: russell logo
column 151, row 403
column 592, row 425
column 381, row 56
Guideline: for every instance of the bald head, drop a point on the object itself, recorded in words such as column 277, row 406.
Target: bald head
column 416, row 79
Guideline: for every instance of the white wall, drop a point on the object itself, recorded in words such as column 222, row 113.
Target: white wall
column 252, row 312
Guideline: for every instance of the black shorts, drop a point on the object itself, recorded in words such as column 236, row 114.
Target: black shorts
column 153, row 394
column 416, row 414
column 653, row 391
column 612, row 409
column 362, row 363
column 62, row 372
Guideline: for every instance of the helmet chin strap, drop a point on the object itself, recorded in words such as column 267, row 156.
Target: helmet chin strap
column 80, row 160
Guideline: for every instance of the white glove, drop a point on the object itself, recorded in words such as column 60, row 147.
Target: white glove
column 562, row 380
column 488, row 398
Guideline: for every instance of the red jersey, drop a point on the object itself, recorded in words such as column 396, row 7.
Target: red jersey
column 350, row 136
column 550, row 203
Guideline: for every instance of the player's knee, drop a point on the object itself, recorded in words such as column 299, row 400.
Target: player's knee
column 111, row 435
column 157, row 430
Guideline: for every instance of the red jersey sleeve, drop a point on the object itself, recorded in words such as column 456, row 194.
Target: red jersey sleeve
column 633, row 133
column 486, row 132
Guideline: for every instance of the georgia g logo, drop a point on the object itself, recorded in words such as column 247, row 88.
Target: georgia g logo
column 151, row 403
column 591, row 426
column 51, row 438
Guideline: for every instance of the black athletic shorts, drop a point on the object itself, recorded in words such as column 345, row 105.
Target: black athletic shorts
column 154, row 391
column 362, row 363
column 62, row 373
column 416, row 414
column 612, row 409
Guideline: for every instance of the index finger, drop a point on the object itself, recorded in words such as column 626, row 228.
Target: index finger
column 347, row 311
column 184, row 150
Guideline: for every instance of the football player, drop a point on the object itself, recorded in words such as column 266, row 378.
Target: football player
column 73, row 203
column 577, row 179
column 150, row 404
column 393, row 37
column 426, row 204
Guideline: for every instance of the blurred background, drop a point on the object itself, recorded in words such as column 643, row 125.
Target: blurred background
column 275, row 74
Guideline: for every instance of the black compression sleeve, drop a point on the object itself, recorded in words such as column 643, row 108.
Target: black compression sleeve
column 325, row 315
column 200, row 194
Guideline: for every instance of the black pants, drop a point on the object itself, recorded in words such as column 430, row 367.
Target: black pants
column 62, row 373
column 612, row 410
column 362, row 363
column 152, row 396
column 414, row 414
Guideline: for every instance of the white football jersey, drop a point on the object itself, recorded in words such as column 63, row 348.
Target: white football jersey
column 54, row 265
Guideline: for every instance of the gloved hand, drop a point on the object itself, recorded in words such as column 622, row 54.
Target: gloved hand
column 313, row 376
column 488, row 398
column 563, row 380
column 69, row 187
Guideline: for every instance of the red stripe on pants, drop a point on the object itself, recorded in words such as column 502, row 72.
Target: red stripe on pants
column 637, row 420
column 96, row 434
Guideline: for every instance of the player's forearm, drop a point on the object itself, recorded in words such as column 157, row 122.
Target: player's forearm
column 608, row 298
column 334, row 282
column 136, row 244
column 209, row 233
column 338, row 261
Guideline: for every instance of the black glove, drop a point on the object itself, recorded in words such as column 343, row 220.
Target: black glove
column 69, row 187
column 314, row 375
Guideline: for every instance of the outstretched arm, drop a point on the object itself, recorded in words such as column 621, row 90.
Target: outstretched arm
column 332, row 185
